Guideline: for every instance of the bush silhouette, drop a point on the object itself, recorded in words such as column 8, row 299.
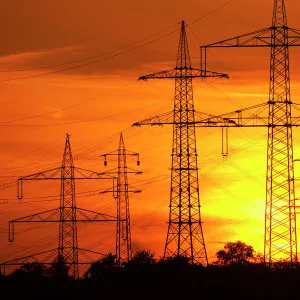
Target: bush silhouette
column 102, row 267
column 235, row 253
column 143, row 257
column 59, row 269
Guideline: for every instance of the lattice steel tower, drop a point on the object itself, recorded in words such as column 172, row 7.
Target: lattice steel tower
column 123, row 231
column 185, row 235
column 67, row 215
column 67, row 241
column 280, row 239
column 280, row 228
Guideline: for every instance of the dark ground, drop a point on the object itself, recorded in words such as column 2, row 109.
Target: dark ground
column 158, row 281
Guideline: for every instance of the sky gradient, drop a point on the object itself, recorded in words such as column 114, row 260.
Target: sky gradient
column 95, row 102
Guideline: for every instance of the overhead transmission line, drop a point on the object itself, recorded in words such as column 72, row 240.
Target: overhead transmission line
column 211, row 12
column 4, row 123
column 151, row 180
column 70, row 106
column 81, row 121
column 92, row 62
column 96, row 56
column 228, row 2
column 143, row 184
column 110, row 54
column 91, row 57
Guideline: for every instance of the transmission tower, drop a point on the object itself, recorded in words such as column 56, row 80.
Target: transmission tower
column 67, row 215
column 280, row 239
column 123, row 239
column 185, row 235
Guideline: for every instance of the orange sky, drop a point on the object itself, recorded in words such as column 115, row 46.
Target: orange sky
column 43, row 33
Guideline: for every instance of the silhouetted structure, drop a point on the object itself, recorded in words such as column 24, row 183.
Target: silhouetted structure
column 67, row 215
column 185, row 236
column 241, row 279
column 123, row 239
column 235, row 253
column 280, row 240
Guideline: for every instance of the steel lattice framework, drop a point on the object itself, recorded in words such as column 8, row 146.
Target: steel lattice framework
column 67, row 240
column 280, row 219
column 280, row 240
column 185, row 235
column 67, row 215
column 123, row 238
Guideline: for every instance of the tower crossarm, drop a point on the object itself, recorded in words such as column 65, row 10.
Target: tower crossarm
column 134, row 191
column 85, row 215
column 254, row 121
column 53, row 215
column 252, row 39
column 44, row 175
column 168, row 119
column 56, row 174
column 162, row 119
column 184, row 72
column 116, row 171
column 115, row 153
column 258, row 38
column 129, row 171
column 44, row 257
column 88, row 174
column 36, row 257
column 248, row 117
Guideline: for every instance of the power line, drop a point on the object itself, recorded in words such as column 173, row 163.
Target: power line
column 107, row 53
column 82, row 121
column 211, row 12
column 68, row 107
column 91, row 57
column 100, row 145
column 213, row 55
column 24, row 155
column 89, row 63
column 146, row 182
column 151, row 180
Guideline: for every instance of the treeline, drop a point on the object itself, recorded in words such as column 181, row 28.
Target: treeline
column 237, row 273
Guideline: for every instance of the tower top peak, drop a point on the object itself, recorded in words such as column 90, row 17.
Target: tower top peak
column 279, row 14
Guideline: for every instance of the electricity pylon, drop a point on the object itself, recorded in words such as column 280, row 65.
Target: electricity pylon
column 67, row 215
column 185, row 235
column 280, row 239
column 123, row 239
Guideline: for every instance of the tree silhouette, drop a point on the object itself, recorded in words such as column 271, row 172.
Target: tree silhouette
column 179, row 261
column 102, row 267
column 235, row 253
column 258, row 258
column 239, row 274
column 143, row 257
column 34, row 268
column 29, row 272
column 59, row 270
